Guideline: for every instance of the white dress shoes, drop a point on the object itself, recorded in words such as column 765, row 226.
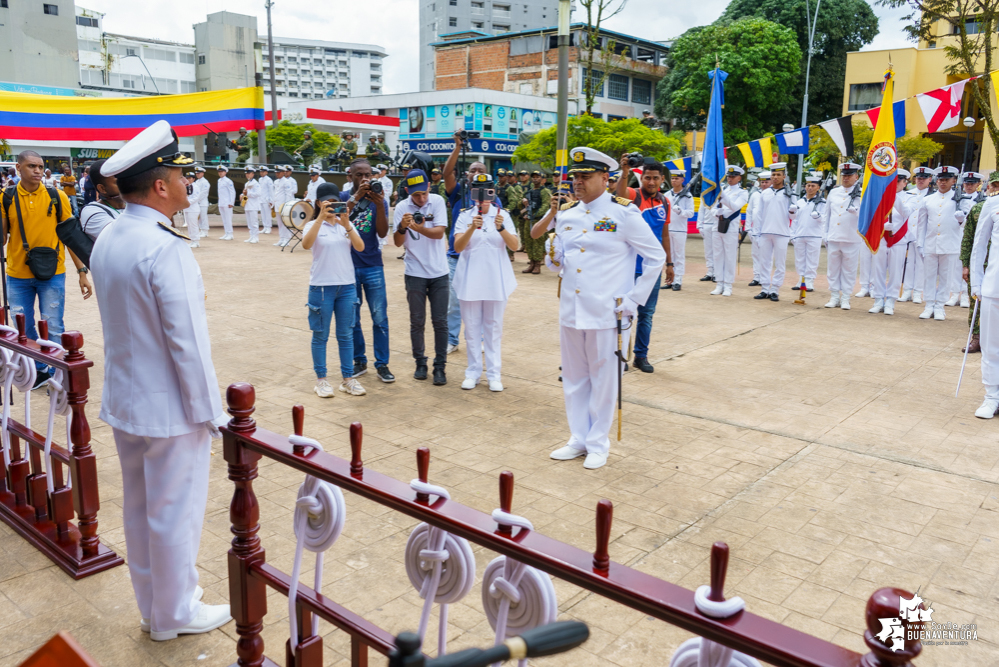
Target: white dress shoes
column 987, row 409
column 495, row 385
column 469, row 383
column 595, row 460
column 199, row 592
column 208, row 618
column 567, row 453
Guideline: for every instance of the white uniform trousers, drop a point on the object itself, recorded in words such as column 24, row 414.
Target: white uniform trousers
column 191, row 220
column 937, row 270
column 989, row 339
column 483, row 329
column 957, row 282
column 757, row 259
column 807, row 250
column 726, row 251
column 164, row 491
column 773, row 261
column 265, row 213
column 866, row 276
column 283, row 233
column 203, row 217
column 226, row 214
column 252, row 223
column 678, row 253
column 589, row 382
column 886, row 270
column 708, row 234
column 913, row 278
column 841, row 260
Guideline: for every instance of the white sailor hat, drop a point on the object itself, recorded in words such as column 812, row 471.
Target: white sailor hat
column 200, row 169
column 221, row 167
column 764, row 175
column 250, row 167
column 972, row 177
column 902, row 173
column 588, row 160
column 287, row 167
column 813, row 178
column 381, row 167
column 155, row 146
column 848, row 168
column 924, row 172
column 315, row 170
column 734, row 169
column 263, row 167
column 947, row 172
column 778, row 166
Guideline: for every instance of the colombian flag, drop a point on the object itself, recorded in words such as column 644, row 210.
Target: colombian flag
column 878, row 194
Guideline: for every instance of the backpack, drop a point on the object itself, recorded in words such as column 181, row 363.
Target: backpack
column 69, row 231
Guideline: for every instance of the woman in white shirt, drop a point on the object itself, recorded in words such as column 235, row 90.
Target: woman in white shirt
column 483, row 280
column 330, row 236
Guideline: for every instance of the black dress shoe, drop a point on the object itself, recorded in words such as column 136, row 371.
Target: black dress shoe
column 667, row 286
column 642, row 364
column 774, row 297
column 421, row 372
column 755, row 283
column 359, row 369
column 809, row 289
column 384, row 374
column 762, row 295
column 676, row 287
column 439, row 377
column 708, row 278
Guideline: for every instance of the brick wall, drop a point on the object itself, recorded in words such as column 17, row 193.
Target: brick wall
column 474, row 65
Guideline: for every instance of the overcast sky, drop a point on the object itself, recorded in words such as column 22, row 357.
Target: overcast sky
column 392, row 24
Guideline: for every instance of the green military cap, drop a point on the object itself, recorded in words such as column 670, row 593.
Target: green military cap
column 994, row 177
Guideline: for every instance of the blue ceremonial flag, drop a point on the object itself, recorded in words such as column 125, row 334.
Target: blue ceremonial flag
column 713, row 162
column 793, row 142
column 686, row 164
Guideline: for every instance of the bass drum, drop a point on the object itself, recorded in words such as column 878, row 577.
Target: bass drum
column 294, row 214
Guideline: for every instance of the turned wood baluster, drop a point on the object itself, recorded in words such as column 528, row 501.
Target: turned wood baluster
column 247, row 595
column 884, row 603
column 356, row 464
column 423, row 471
column 83, row 498
column 506, row 499
column 605, row 516
column 719, row 568
column 298, row 426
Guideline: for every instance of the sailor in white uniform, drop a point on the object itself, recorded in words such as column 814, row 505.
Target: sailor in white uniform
column 266, row 198
column 483, row 278
column 706, row 221
column 599, row 239
column 971, row 181
column 682, row 210
column 807, row 227
column 753, row 224
column 939, row 230
column 888, row 263
column 728, row 213
column 774, row 218
column 252, row 206
column 161, row 394
column 284, row 191
column 843, row 241
column 192, row 212
column 912, row 281
column 314, row 180
column 202, row 187
column 227, row 199
column 985, row 287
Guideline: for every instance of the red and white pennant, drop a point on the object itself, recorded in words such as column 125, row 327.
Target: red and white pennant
column 942, row 107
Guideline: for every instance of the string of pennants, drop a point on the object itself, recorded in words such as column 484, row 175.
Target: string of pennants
column 941, row 108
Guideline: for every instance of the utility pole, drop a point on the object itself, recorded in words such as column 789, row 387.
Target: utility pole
column 812, row 20
column 270, row 49
column 562, row 128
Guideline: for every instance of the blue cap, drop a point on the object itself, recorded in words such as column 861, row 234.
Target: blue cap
column 417, row 181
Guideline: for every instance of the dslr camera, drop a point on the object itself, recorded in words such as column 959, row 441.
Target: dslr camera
column 465, row 135
column 376, row 187
column 418, row 218
column 635, row 160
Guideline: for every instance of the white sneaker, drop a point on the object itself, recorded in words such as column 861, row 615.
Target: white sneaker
column 352, row 387
column 277, row 244
column 927, row 312
column 469, row 383
column 594, row 461
column 879, row 305
column 833, row 300
column 727, row 291
column 199, row 593
column 718, row 289
column 252, row 241
column 452, row 348
column 938, row 313
column 889, row 307
column 495, row 385
column 194, row 244
column 225, row 237
column 953, row 300
column 862, row 293
column 809, row 284
column 267, row 231
column 283, row 243
column 906, row 295
column 844, row 303
column 208, row 618
column 324, row 389
column 988, row 409
column 247, row 240
column 917, row 296
column 567, row 453
column 965, row 300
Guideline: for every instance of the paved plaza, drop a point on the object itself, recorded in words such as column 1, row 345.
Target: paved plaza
column 825, row 447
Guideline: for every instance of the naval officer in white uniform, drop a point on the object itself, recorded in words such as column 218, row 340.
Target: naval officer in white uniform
column 985, row 286
column 597, row 241
column 843, row 242
column 227, row 199
column 161, row 395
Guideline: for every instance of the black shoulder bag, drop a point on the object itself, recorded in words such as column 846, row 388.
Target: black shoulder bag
column 42, row 262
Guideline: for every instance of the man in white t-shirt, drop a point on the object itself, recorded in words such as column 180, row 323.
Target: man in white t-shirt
column 97, row 215
column 420, row 224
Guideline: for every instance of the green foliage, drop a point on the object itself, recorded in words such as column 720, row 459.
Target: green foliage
column 911, row 148
column 289, row 136
column 613, row 138
column 762, row 60
column 842, row 26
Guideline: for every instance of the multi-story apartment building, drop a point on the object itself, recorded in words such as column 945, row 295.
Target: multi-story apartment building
column 308, row 68
column 38, row 43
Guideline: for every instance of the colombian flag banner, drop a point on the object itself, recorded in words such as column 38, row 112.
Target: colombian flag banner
column 878, row 194
column 55, row 118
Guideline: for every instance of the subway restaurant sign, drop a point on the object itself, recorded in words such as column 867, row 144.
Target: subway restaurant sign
column 92, row 153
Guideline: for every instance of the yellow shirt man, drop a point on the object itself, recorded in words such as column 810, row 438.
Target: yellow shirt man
column 68, row 183
column 39, row 216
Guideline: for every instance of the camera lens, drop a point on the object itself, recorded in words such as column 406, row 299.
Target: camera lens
column 376, row 187
column 418, row 218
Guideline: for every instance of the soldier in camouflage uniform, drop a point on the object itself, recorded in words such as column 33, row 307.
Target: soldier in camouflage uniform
column 538, row 201
column 967, row 243
column 349, row 146
column 382, row 146
column 648, row 120
column 242, row 146
column 307, row 150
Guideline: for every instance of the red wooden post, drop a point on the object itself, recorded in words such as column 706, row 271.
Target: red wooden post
column 83, row 462
column 247, row 595
column 719, row 568
column 506, row 498
column 423, row 470
column 358, row 652
column 884, row 603
column 605, row 516
column 43, row 331
column 22, row 336
column 298, row 423
column 356, row 464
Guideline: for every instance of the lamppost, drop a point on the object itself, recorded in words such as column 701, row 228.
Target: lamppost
column 969, row 123
column 136, row 55
column 273, row 60
column 812, row 19
column 562, row 116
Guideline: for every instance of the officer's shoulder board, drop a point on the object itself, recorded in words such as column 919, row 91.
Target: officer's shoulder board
column 467, row 209
column 566, row 206
column 175, row 232
column 623, row 201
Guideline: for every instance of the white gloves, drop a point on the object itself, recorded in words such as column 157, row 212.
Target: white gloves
column 792, row 209
column 816, row 215
column 553, row 260
column 677, row 210
column 976, row 291
column 853, row 209
column 960, row 216
column 628, row 308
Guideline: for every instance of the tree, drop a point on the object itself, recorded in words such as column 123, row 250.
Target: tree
column 613, row 138
column 289, row 136
column 966, row 28
column 911, row 148
column 593, row 48
column 842, row 26
column 762, row 60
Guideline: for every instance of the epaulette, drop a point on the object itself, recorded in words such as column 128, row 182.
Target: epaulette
column 175, row 232
column 466, row 209
column 623, row 201
column 569, row 204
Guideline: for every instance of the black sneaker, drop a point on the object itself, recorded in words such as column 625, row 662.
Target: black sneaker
column 677, row 287
column 755, row 283
column 360, row 369
column 708, row 278
column 642, row 364
column 384, row 374
column 421, row 372
column 762, row 295
column 439, row 377
column 774, row 297
column 41, row 379
column 667, row 286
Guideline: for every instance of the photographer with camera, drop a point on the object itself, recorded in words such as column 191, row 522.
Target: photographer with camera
column 420, row 224
column 369, row 210
column 332, row 294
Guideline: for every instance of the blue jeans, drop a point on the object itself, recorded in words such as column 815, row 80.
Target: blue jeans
column 453, row 306
column 51, row 303
column 644, row 323
column 372, row 279
column 325, row 301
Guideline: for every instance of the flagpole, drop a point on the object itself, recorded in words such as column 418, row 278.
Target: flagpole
column 813, row 19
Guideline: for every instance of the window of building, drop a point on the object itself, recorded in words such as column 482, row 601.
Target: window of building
column 376, row 79
column 201, row 59
column 501, row 11
column 92, row 77
column 553, row 41
column 453, row 21
column 611, row 118
column 375, row 56
column 186, row 58
column 317, row 61
column 478, row 25
column 454, row 3
column 526, row 88
column 596, row 82
column 617, row 87
column 3, row 4
column 864, row 96
column 478, row 8
column 501, row 28
column 51, row 10
column 641, row 91
column 970, row 27
column 645, row 55
column 159, row 54
column 292, row 94
column 80, row 20
column 88, row 45
column 187, row 87
column 359, row 54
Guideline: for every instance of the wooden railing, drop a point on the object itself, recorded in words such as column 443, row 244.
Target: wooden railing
column 42, row 518
column 249, row 573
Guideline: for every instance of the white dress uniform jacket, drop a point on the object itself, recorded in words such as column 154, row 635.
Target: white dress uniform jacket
column 227, row 192
column 266, row 190
column 753, row 213
column 985, row 280
column 731, row 200
column 773, row 214
column 600, row 243
column 252, row 190
column 201, row 190
column 310, row 190
column 940, row 224
column 159, row 380
column 808, row 221
column 841, row 216
column 483, row 272
column 682, row 211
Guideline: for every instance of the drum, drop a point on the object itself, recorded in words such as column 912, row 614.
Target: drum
column 296, row 213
